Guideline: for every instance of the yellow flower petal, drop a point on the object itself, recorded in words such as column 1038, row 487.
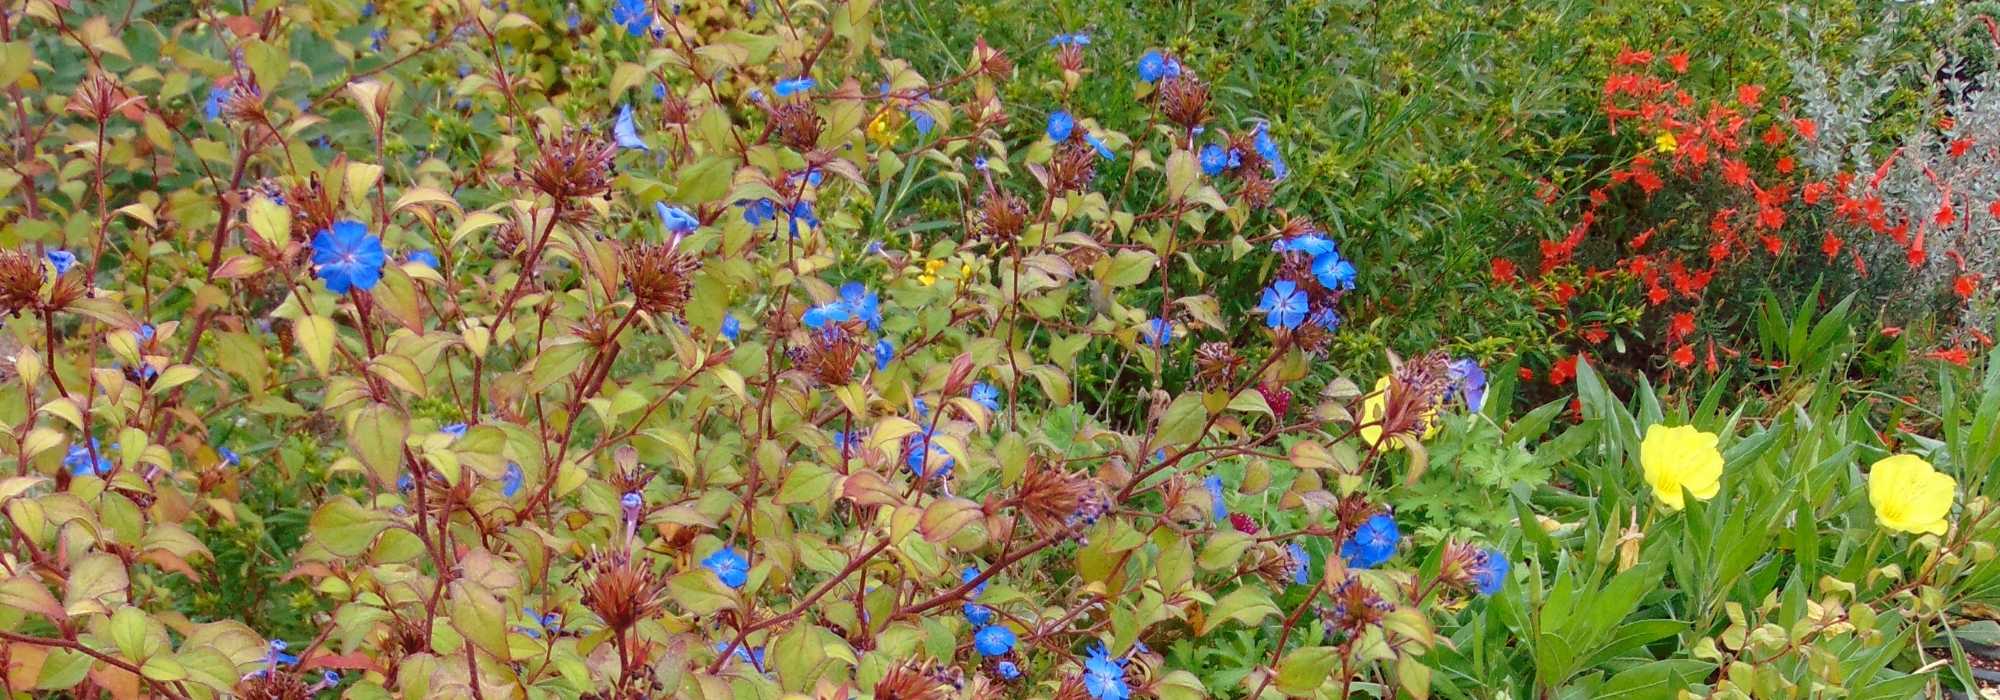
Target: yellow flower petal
column 1909, row 495
column 1679, row 461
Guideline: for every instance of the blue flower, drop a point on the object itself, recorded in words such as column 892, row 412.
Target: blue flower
column 677, row 220
column 757, row 212
column 1268, row 150
column 1301, row 564
column 1060, row 126
column 1104, row 676
column 455, row 430
column 1217, row 508
column 1468, row 380
column 1312, row 245
column 1333, row 272
column 986, row 395
column 228, row 456
column 424, row 258
column 847, row 443
column 510, row 483
column 1007, row 670
column 329, row 678
column 216, row 97
column 968, row 575
column 635, row 15
column 405, row 483
column 1325, row 317
column 61, row 259
column 367, row 10
column 79, row 461
column 729, row 566
column 922, row 407
column 659, row 92
column 978, row 614
column 375, row 39
column 1215, row 159
column 885, row 351
column 864, row 304
column 1489, row 573
column 993, row 640
column 788, row 88
column 348, row 257
column 803, row 211
column 1103, row 150
column 731, row 327
column 922, row 120
column 632, row 501
column 1075, row 39
column 625, row 131
column 1283, row 305
column 924, row 453
column 1372, row 543
column 1159, row 332
column 1152, row 66
column 275, row 654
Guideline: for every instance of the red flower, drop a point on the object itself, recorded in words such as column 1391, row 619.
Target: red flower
column 1527, row 374
column 1684, row 356
column 1812, row 192
column 1957, row 356
column 1657, row 295
column 1892, row 331
column 1772, row 244
column 1965, row 285
column 1504, row 271
column 1994, row 209
column 1595, row 334
column 1749, row 94
column 1735, row 172
column 1807, row 128
column 1628, row 57
column 1565, row 292
column 1563, row 371
column 1640, row 240
column 1681, row 325
column 1959, row 147
column 1679, row 61
column 1830, row 245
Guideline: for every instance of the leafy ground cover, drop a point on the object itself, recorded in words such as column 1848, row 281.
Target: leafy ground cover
column 620, row 350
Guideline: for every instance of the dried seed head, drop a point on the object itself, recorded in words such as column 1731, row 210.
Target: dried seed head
column 272, row 685
column 622, row 590
column 314, row 207
column 21, row 276
column 674, row 109
column 1070, row 57
column 573, row 164
column 1356, row 607
column 911, row 680
column 1216, row 364
column 1072, row 168
column 1257, row 189
column 991, row 61
column 1002, row 215
column 798, row 125
column 1414, row 392
column 828, row 355
column 660, row 275
column 1054, row 498
column 1184, row 99
column 98, row 97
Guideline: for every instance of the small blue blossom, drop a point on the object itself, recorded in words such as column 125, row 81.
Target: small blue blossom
column 677, row 220
column 1104, row 676
column 1312, row 245
column 1103, row 150
column 1217, row 507
column 968, row 575
column 1468, row 380
column 217, row 96
column 375, row 39
column 659, row 92
column 1073, row 39
column 756, row 212
column 1268, row 150
column 922, row 407
column 795, row 86
column 803, row 211
column 80, row 463
column 1215, row 159
column 986, row 395
column 1153, row 66
column 925, row 457
column 922, row 121
column 348, row 257
column 1301, row 564
column 1060, row 126
column 1325, row 317
column 1333, row 272
column 510, row 483
column 275, row 654
column 367, row 10
column 847, row 443
column 1372, row 543
column 634, row 15
column 1489, row 573
column 979, row 163
column 745, row 654
column 228, row 456
column 423, row 257
column 865, row 304
column 626, row 132
column 993, row 640
column 61, row 259
column 632, row 501
column 329, row 678
column 731, row 328
column 405, row 483
column 1283, row 305
column 455, row 430
column 1007, row 670
column 885, row 351
column 978, row 615
column 1159, row 332
column 756, row 95
column 729, row 566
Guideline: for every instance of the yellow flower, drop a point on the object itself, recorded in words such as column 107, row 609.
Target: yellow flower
column 1375, row 407
column 965, row 271
column 1666, row 142
column 883, row 129
column 1681, row 458
column 929, row 275
column 1910, row 496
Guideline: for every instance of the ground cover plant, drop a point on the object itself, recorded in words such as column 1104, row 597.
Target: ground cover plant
column 779, row 349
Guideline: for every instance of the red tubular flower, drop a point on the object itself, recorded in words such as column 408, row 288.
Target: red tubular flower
column 1504, row 271
column 1683, row 356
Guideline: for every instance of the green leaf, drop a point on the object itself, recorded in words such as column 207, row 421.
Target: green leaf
column 807, row 483
column 16, row 57
column 316, row 336
column 1224, row 549
column 63, row 669
column 705, row 181
column 345, row 528
column 1182, row 422
column 1658, row 679
column 1246, row 604
column 1305, row 668
column 377, row 436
